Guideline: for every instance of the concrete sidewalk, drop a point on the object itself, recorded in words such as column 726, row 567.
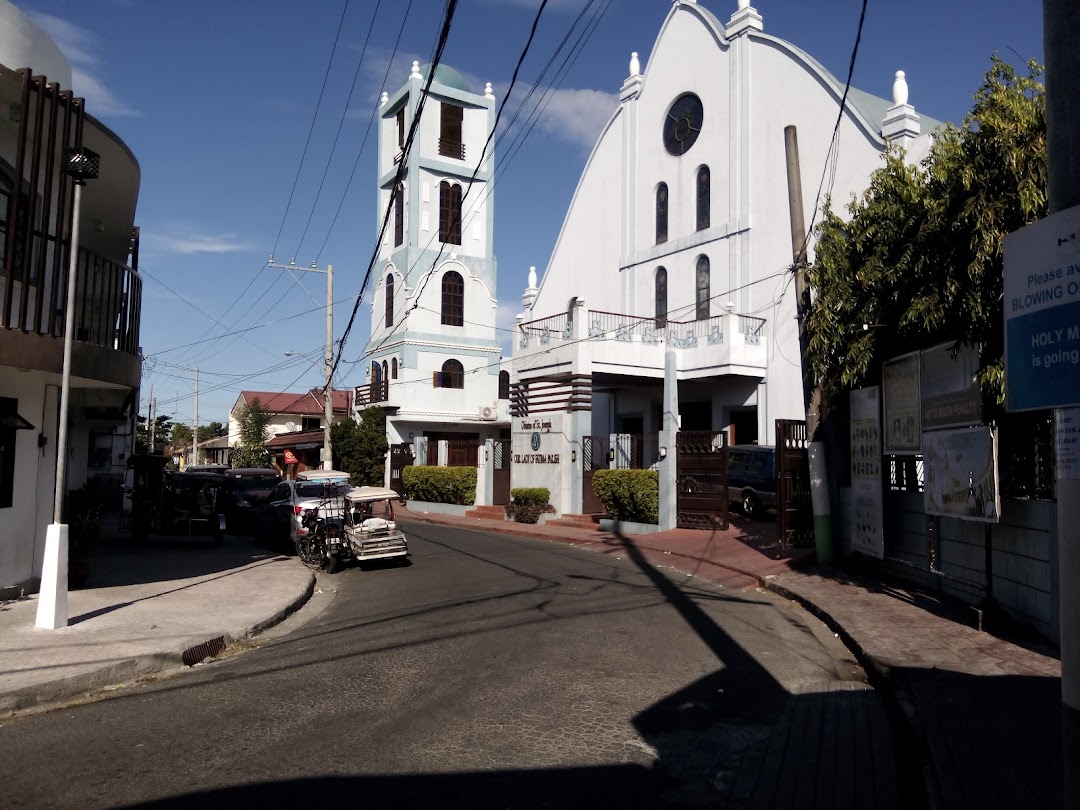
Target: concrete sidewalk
column 145, row 608
column 977, row 716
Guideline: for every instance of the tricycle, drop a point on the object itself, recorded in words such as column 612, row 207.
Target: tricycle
column 365, row 531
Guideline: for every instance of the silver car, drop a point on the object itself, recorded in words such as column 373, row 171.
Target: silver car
column 280, row 517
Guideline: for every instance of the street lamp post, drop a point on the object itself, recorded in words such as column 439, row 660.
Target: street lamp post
column 328, row 391
column 80, row 164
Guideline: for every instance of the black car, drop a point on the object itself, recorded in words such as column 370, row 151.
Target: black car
column 190, row 505
column 246, row 488
column 752, row 478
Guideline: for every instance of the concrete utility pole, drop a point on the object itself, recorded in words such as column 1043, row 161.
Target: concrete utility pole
column 195, row 429
column 153, row 417
column 328, row 390
column 812, row 395
column 1061, row 33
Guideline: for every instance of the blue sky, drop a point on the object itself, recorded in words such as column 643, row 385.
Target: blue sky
column 216, row 100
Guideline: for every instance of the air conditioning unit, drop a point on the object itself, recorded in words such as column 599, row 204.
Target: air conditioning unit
column 488, row 413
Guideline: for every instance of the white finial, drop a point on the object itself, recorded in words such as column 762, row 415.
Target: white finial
column 488, row 92
column 899, row 89
column 635, row 65
column 532, row 278
column 385, row 98
column 415, row 71
column 744, row 4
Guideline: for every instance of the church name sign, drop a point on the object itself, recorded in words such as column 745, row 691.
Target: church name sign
column 535, row 441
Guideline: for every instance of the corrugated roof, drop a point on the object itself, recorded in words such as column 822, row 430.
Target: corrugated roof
column 309, row 403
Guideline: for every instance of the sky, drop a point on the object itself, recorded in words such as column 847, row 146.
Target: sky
column 248, row 118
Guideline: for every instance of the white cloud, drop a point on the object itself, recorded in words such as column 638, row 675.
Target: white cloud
column 187, row 241
column 80, row 47
column 573, row 116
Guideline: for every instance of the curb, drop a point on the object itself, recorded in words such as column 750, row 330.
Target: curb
column 43, row 696
column 890, row 685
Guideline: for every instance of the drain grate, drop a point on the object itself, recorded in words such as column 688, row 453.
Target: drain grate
column 200, row 652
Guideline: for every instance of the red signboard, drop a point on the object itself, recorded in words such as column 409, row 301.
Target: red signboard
column 290, row 457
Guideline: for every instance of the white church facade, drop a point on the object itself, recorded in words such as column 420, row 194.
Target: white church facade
column 674, row 258
column 434, row 358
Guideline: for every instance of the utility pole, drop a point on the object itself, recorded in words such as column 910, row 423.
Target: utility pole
column 153, row 421
column 195, row 428
column 812, row 394
column 328, row 390
column 1061, row 32
column 150, row 420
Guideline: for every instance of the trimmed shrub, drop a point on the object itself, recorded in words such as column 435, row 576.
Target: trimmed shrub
column 528, row 503
column 531, row 496
column 629, row 495
column 441, row 484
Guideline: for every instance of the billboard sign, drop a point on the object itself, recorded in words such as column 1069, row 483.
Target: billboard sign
column 960, row 468
column 903, row 405
column 951, row 396
column 1042, row 314
column 867, row 513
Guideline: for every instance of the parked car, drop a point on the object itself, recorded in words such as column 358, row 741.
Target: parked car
column 752, row 478
column 217, row 468
column 189, row 505
column 279, row 518
column 245, row 489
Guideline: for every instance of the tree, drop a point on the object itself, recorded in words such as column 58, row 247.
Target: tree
column 920, row 256
column 162, row 431
column 212, row 431
column 360, row 447
column 250, row 450
column 181, row 435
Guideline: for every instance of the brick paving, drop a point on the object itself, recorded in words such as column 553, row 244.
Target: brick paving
column 977, row 716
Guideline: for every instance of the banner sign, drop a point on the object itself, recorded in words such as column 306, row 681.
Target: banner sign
column 868, row 527
column 903, row 404
column 961, row 474
column 951, row 397
column 290, row 457
column 1042, row 314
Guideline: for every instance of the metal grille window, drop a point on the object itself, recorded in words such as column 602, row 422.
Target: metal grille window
column 393, row 368
column 704, row 198
column 661, row 213
column 401, row 128
column 661, row 297
column 450, row 143
column 399, row 215
column 703, row 287
column 389, row 319
column 504, row 385
column 453, row 299
column 449, row 213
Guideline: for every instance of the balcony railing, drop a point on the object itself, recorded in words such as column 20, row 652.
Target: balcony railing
column 453, row 149
column 559, row 326
column 108, row 295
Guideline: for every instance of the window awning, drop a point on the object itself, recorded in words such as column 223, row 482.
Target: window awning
column 13, row 421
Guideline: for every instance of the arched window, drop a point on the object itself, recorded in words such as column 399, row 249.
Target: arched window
column 504, row 385
column 453, row 375
column 393, row 368
column 389, row 300
column 661, row 297
column 449, row 213
column 661, row 213
column 385, row 381
column 704, row 198
column 703, row 287
column 376, row 383
column 399, row 215
column 453, row 299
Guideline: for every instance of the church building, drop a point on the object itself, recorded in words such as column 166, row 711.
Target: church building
column 680, row 223
column 434, row 355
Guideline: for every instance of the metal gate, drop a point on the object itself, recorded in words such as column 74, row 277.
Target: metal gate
column 401, row 456
column 592, row 459
column 794, row 510
column 501, row 472
column 701, row 471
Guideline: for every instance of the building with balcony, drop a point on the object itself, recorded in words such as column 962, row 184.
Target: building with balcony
column 433, row 356
column 677, row 243
column 39, row 118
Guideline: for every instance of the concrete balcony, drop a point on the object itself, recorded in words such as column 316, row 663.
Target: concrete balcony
column 593, row 341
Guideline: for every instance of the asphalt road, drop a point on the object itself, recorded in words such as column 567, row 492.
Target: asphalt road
column 492, row 672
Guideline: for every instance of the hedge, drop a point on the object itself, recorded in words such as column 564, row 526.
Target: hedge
column 441, row 484
column 629, row 495
column 528, row 503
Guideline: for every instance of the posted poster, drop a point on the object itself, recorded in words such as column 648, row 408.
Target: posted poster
column 903, row 405
column 867, row 513
column 950, row 395
column 961, row 474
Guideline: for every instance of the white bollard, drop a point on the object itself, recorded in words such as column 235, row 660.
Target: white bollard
column 52, row 608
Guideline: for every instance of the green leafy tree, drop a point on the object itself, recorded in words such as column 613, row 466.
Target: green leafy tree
column 181, row 435
column 212, row 431
column 250, row 450
column 162, row 431
column 360, row 447
column 920, row 255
